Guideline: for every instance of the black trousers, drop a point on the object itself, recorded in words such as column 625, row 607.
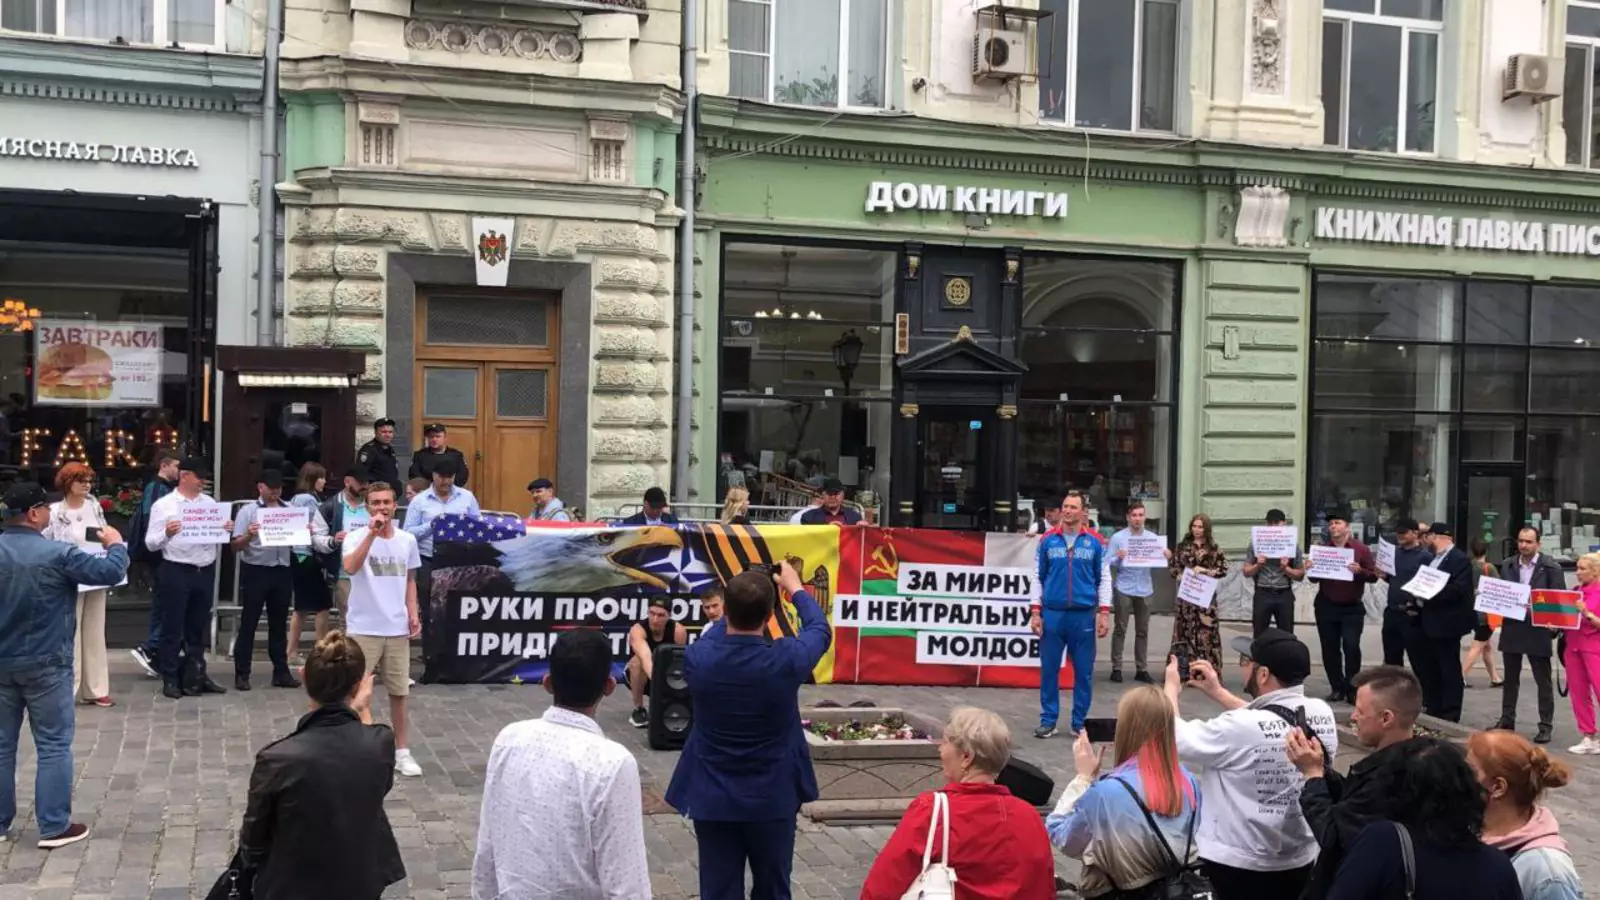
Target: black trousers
column 1513, row 686
column 1339, row 627
column 1272, row 605
column 1228, row 883
column 183, row 593
column 425, row 605
column 1394, row 637
column 1437, row 664
column 269, row 590
column 726, row 846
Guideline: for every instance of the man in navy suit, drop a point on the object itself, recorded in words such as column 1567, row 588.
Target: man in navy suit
column 656, row 511
column 745, row 768
column 1434, row 641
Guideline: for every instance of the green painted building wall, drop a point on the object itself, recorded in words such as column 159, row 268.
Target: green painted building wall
column 314, row 130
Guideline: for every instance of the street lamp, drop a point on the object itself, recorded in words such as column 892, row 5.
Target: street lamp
column 846, row 355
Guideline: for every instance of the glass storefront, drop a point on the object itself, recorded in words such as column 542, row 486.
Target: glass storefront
column 1472, row 402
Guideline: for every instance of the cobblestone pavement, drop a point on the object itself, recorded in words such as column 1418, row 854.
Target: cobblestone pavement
column 163, row 786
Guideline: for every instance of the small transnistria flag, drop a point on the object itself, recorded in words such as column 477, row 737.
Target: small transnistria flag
column 1557, row 609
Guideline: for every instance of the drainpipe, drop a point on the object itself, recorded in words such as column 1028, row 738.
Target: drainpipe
column 266, row 201
column 683, row 431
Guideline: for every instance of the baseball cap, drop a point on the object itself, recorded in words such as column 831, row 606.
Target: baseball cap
column 195, row 464
column 433, row 428
column 272, row 478
column 1281, row 652
column 833, row 486
column 22, row 497
column 661, row 603
column 1442, row 529
column 1276, row 515
column 539, row 483
column 1342, row 515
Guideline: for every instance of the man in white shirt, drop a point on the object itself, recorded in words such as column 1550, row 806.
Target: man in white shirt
column 184, row 583
column 562, row 815
column 1253, row 840
column 382, row 563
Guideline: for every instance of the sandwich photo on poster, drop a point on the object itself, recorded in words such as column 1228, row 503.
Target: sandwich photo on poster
column 90, row 363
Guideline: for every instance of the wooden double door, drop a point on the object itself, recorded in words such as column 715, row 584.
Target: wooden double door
column 487, row 365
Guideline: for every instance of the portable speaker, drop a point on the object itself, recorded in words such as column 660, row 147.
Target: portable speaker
column 1027, row 781
column 671, row 711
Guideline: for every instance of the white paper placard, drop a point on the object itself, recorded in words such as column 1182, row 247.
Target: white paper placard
column 284, row 526
column 1427, row 584
column 1331, row 563
column 1385, row 557
column 1197, row 588
column 1275, row 541
column 1146, row 551
column 491, row 249
column 97, row 551
column 203, row 523
column 1499, row 597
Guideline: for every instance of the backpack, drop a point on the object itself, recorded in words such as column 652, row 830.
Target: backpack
column 139, row 522
column 1184, row 882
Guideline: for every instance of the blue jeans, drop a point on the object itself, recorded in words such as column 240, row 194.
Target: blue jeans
column 1072, row 631
column 152, row 644
column 46, row 696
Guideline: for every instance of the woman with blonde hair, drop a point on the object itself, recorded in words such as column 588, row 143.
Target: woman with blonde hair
column 998, row 847
column 1111, row 823
column 1195, row 634
column 736, row 507
column 1515, row 773
column 1582, row 656
column 71, row 517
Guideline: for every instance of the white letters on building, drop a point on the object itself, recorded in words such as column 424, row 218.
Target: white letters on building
column 888, row 197
column 1336, row 223
column 94, row 151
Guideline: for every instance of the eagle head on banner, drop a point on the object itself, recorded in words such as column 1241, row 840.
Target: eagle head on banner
column 590, row 560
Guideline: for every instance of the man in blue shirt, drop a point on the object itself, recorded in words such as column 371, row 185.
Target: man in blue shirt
column 444, row 496
column 1074, row 609
column 39, row 580
column 1132, row 592
column 1410, row 554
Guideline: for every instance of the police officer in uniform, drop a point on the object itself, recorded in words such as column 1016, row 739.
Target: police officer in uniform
column 423, row 461
column 377, row 457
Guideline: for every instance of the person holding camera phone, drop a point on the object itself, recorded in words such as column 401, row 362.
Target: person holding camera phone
column 78, row 519
column 1253, row 839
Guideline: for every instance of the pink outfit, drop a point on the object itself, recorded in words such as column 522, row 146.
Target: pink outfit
column 1583, row 662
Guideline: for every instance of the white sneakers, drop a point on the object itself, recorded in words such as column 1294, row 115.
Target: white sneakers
column 406, row 765
column 1589, row 746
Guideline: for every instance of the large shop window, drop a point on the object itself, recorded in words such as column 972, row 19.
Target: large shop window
column 1380, row 73
column 1111, row 65
column 831, row 53
column 1578, row 89
column 806, row 370
column 1097, row 403
column 1438, row 400
column 187, row 23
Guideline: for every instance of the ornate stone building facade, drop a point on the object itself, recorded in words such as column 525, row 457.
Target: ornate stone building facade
column 419, row 136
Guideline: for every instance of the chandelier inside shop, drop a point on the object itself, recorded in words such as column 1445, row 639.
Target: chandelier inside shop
column 16, row 316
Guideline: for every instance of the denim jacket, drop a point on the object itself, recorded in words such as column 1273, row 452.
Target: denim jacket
column 39, row 581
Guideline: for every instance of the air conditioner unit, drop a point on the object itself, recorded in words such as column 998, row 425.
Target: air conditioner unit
column 1532, row 76
column 999, row 54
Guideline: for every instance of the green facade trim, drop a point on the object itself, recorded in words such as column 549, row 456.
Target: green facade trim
column 655, row 152
column 314, row 131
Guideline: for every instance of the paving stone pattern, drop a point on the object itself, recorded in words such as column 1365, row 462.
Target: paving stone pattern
column 163, row 785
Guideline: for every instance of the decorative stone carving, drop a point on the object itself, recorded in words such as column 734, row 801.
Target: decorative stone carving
column 494, row 40
column 1263, row 211
column 1266, row 46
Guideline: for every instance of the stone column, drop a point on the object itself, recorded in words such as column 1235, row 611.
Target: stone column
column 607, row 46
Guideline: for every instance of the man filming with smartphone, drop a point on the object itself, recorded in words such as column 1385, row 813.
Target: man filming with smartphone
column 1253, row 840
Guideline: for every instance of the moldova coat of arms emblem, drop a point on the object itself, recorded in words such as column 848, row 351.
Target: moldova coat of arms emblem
column 492, row 247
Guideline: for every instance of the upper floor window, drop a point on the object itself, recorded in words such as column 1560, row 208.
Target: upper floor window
column 1380, row 73
column 1578, row 88
column 809, row 52
column 1111, row 65
column 163, row 23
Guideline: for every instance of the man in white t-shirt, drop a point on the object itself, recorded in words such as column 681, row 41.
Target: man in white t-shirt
column 382, row 562
column 1253, row 840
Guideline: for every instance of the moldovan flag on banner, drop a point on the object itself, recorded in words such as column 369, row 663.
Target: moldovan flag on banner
column 1557, row 609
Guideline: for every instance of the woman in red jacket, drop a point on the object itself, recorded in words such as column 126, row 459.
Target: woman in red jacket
column 998, row 846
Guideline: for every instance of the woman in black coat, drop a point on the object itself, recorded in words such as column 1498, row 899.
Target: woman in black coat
column 1438, row 806
column 314, row 825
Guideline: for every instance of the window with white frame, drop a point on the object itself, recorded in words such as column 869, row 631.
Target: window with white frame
column 1380, row 73
column 809, row 52
column 1578, row 88
column 1110, row 65
column 163, row 23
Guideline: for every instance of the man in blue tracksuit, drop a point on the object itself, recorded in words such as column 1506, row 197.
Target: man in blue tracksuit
column 1075, row 610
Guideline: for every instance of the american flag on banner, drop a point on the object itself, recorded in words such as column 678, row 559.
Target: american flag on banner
column 474, row 530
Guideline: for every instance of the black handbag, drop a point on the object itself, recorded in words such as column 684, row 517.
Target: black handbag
column 1184, row 881
column 237, row 883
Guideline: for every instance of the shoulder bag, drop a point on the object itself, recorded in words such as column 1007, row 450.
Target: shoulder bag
column 938, row 880
column 1408, row 859
column 1183, row 882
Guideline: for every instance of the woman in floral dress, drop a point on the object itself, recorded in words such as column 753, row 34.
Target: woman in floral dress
column 1194, row 627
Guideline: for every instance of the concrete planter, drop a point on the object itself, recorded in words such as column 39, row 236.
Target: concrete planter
column 857, row 771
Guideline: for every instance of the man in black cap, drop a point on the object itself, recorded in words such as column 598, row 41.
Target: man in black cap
column 424, row 461
column 655, row 510
column 39, row 581
column 1440, row 623
column 1410, row 554
column 547, row 507
column 832, row 511
column 184, row 585
column 266, row 584
column 376, row 457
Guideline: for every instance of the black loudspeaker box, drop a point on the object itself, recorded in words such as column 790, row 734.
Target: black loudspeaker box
column 671, row 710
column 1027, row 781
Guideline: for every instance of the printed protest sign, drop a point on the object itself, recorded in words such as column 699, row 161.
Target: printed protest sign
column 1275, row 541
column 1146, row 551
column 1427, row 583
column 1499, row 597
column 1197, row 588
column 203, row 523
column 1331, row 563
column 284, row 526
column 1385, row 557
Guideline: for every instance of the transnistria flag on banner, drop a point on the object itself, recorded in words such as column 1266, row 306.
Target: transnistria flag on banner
column 1558, row 609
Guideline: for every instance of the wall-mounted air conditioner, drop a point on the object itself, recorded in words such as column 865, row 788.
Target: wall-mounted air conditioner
column 1532, row 76
column 1000, row 54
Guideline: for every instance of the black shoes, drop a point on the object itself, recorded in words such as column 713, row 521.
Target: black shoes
column 639, row 718
column 203, row 685
column 172, row 689
column 1544, row 735
column 241, row 682
column 1116, row 677
column 284, row 680
column 1144, row 678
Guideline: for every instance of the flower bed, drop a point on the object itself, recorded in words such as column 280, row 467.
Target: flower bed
column 886, row 727
column 873, row 754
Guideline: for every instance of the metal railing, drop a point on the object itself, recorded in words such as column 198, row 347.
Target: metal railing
column 712, row 512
